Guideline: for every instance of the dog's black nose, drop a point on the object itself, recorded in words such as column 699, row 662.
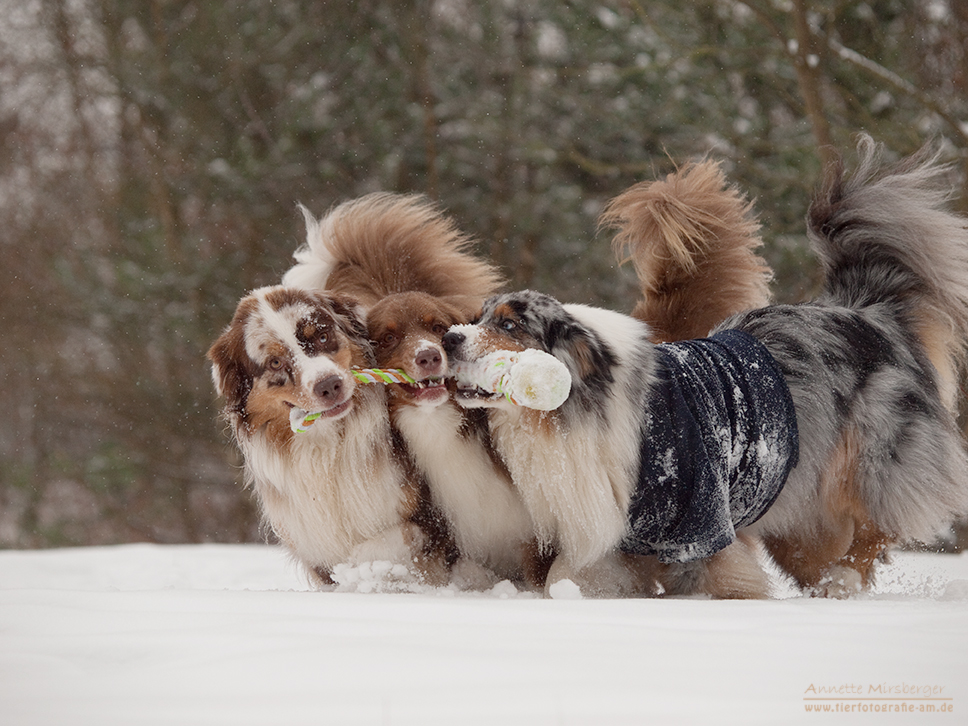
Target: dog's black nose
column 329, row 388
column 452, row 341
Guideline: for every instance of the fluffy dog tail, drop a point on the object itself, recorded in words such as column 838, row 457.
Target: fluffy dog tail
column 691, row 238
column 885, row 237
column 384, row 243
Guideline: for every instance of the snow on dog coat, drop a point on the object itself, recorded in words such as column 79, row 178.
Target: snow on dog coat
column 719, row 441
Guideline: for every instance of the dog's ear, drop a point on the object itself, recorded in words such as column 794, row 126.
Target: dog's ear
column 350, row 315
column 462, row 308
column 349, row 310
column 587, row 356
column 232, row 369
column 459, row 309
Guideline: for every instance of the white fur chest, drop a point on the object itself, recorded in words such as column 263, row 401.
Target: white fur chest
column 337, row 487
column 486, row 514
column 559, row 471
column 576, row 468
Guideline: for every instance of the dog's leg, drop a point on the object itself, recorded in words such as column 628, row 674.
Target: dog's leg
column 850, row 571
column 854, row 572
column 432, row 557
column 835, row 559
column 836, row 563
column 732, row 573
column 402, row 556
column 536, row 561
column 466, row 574
column 869, row 545
column 614, row 575
column 736, row 572
column 808, row 562
column 319, row 577
column 559, row 571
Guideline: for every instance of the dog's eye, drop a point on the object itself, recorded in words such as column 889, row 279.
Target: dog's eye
column 388, row 339
column 439, row 329
column 315, row 332
column 508, row 325
column 276, row 364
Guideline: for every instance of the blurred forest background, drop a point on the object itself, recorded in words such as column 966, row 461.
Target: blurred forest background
column 152, row 153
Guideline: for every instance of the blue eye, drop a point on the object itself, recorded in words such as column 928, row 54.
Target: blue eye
column 508, row 325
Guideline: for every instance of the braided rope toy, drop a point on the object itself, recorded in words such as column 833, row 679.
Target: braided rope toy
column 530, row 378
column 300, row 421
column 381, row 375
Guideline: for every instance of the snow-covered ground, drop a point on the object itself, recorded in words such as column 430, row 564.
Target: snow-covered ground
column 213, row 634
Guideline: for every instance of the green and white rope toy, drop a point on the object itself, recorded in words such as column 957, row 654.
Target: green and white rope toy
column 300, row 421
column 530, row 378
column 381, row 375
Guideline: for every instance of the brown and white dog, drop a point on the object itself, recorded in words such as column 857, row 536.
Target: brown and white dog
column 345, row 490
column 338, row 492
column 407, row 316
column 836, row 413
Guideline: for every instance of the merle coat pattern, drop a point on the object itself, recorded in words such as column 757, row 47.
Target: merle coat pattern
column 871, row 366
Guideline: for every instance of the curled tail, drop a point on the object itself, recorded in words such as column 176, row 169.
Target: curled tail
column 885, row 237
column 691, row 238
column 384, row 243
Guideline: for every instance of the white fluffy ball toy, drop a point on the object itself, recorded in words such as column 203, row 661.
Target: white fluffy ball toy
column 530, row 378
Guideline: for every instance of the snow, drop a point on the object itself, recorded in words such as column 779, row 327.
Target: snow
column 213, row 634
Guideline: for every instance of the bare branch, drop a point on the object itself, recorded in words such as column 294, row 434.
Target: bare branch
column 808, row 78
column 898, row 83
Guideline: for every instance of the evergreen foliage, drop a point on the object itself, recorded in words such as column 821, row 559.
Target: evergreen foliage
column 153, row 154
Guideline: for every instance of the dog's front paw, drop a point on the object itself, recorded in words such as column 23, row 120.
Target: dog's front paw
column 614, row 575
column 396, row 544
column 839, row 583
column 466, row 574
column 565, row 590
column 389, row 562
column 376, row 576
